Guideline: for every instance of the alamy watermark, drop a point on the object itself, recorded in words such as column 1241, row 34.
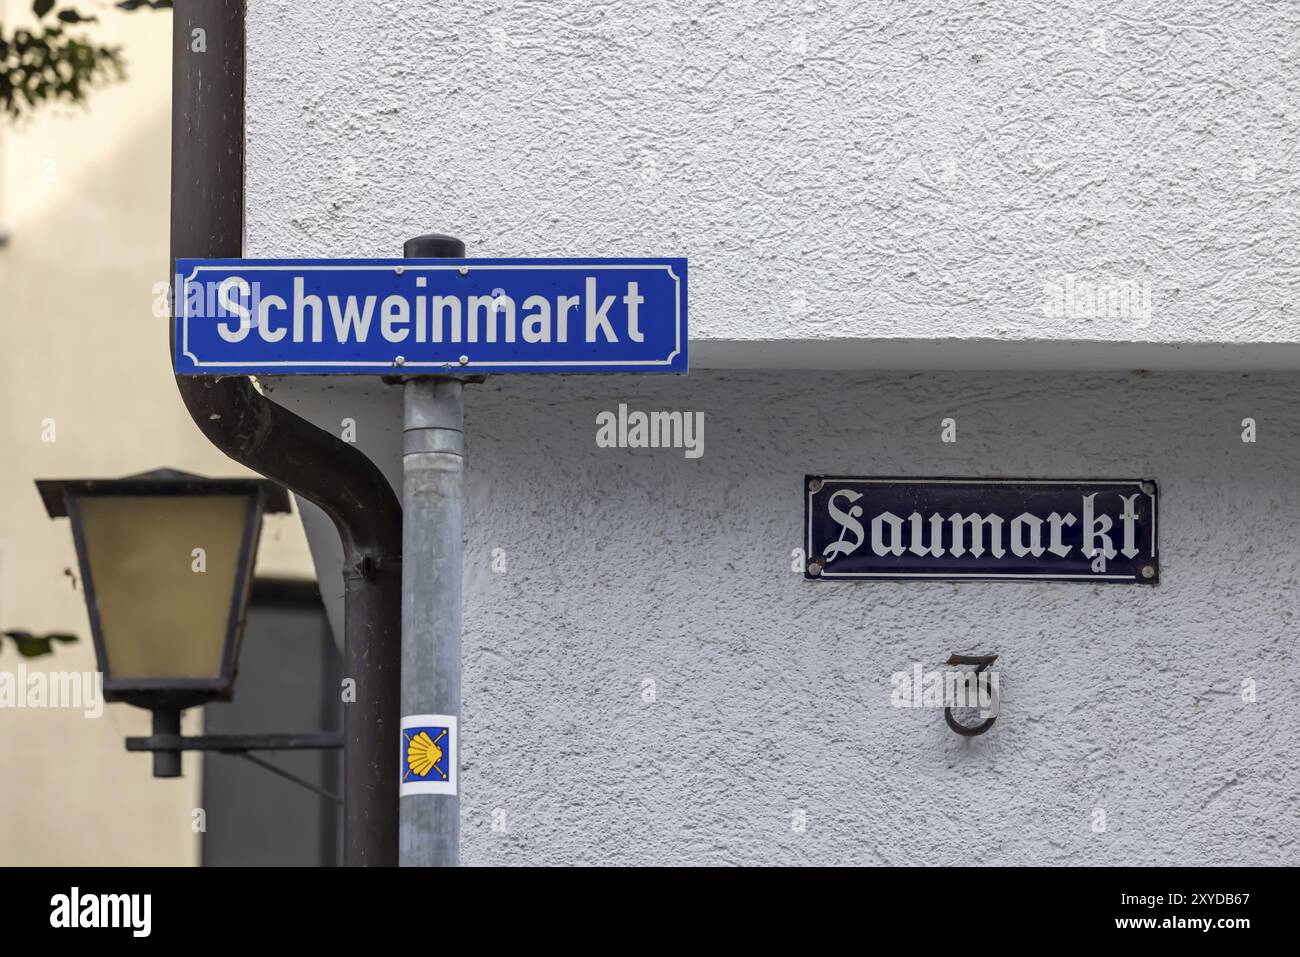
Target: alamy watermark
column 936, row 688
column 53, row 689
column 651, row 430
column 131, row 912
column 1108, row 298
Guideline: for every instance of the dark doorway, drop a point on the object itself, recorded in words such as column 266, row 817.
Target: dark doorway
column 289, row 674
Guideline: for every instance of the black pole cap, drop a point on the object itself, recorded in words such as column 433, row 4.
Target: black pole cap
column 433, row 246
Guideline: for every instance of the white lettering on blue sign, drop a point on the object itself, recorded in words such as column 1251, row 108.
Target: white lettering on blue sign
column 375, row 316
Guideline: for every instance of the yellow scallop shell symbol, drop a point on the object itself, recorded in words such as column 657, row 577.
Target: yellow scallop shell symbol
column 423, row 754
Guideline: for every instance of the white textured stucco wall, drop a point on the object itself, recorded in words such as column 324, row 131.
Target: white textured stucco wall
column 773, row 693
column 857, row 186
column 833, row 169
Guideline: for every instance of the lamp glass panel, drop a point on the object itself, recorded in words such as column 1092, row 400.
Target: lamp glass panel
column 159, row 616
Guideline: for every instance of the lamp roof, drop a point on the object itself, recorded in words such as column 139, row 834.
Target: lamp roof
column 164, row 481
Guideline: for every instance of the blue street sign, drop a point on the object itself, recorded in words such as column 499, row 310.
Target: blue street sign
column 969, row 529
column 423, row 316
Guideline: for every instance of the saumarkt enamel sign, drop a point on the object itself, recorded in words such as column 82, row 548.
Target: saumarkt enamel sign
column 1096, row 530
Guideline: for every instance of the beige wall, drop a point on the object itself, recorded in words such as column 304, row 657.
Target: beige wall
column 84, row 196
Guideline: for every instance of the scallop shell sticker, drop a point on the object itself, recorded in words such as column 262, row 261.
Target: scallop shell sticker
column 423, row 754
column 428, row 754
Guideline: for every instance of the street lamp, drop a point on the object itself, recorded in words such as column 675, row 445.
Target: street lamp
column 166, row 567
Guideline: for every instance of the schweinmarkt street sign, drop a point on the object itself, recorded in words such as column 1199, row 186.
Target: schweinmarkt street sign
column 430, row 316
column 434, row 322
column 1096, row 530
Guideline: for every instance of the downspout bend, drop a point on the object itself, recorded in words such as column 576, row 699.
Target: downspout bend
column 207, row 209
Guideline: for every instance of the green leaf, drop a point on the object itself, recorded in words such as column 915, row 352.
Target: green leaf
column 46, row 66
column 72, row 16
column 42, row 7
column 34, row 646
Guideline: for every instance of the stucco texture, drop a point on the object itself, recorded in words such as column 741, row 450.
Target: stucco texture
column 773, row 694
column 833, row 170
column 838, row 174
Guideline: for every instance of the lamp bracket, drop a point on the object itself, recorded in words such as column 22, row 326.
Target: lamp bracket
column 238, row 743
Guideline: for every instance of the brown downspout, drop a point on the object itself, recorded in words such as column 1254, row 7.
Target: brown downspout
column 207, row 221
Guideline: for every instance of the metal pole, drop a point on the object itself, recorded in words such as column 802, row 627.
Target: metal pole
column 372, row 601
column 167, row 764
column 433, row 463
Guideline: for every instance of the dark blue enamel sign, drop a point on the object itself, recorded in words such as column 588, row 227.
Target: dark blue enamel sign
column 964, row 529
column 387, row 316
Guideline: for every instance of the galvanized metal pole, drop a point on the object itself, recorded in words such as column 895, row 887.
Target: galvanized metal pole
column 433, row 463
